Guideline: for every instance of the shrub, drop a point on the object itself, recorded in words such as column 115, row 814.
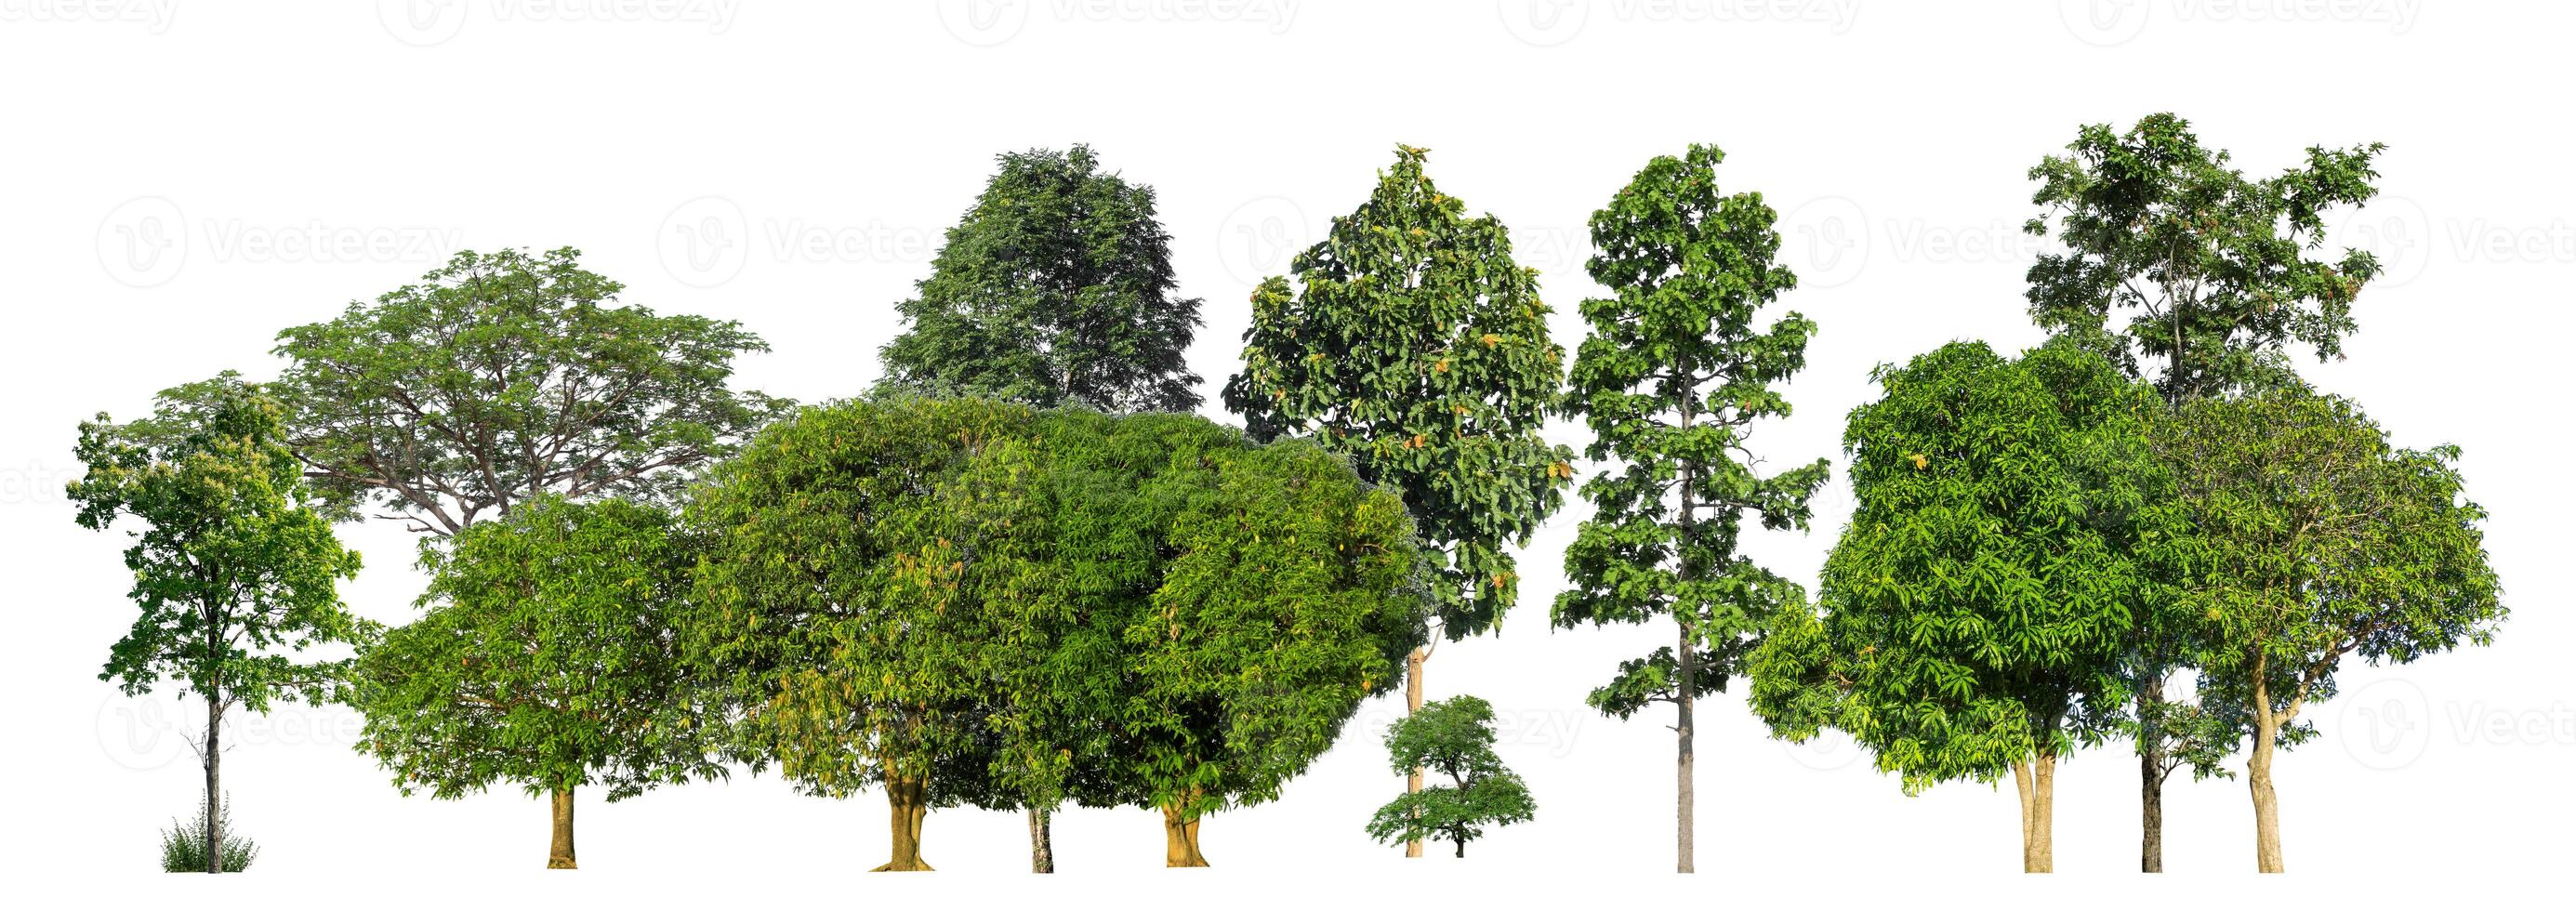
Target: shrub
column 183, row 846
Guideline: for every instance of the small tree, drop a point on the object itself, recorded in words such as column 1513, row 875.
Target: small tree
column 1976, row 605
column 504, row 377
column 235, row 570
column 1454, row 738
column 1055, row 287
column 1417, row 347
column 546, row 658
column 1670, row 379
column 2316, row 541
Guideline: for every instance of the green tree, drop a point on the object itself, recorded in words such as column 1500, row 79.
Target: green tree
column 2182, row 270
column 1055, row 287
column 2316, row 541
column 503, row 377
column 1418, row 348
column 1454, row 738
column 1670, row 379
column 1976, row 606
column 546, row 658
column 236, row 572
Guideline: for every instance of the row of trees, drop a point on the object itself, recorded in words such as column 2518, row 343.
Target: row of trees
column 1002, row 580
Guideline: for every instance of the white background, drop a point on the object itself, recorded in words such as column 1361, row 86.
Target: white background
column 181, row 179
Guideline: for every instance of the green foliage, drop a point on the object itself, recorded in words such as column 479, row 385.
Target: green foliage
column 1454, row 739
column 1017, row 608
column 2317, row 540
column 1420, row 350
column 1056, row 287
column 1670, row 379
column 235, row 571
column 503, row 377
column 1976, row 606
column 546, row 657
column 2211, row 268
column 183, row 844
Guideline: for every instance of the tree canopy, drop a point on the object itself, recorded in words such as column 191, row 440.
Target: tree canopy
column 547, row 658
column 1055, row 287
column 503, row 377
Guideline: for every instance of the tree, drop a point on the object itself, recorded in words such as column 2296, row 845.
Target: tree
column 1670, row 379
column 1419, row 349
column 2213, row 274
column 546, row 658
column 2316, row 541
column 1454, row 738
column 504, row 377
column 1055, row 287
column 1976, row 606
column 235, row 570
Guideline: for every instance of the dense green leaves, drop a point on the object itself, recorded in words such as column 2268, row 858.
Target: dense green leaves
column 1452, row 739
column 1056, row 287
column 235, row 571
column 1976, row 606
column 1413, row 344
column 546, row 657
column 505, row 376
column 1671, row 378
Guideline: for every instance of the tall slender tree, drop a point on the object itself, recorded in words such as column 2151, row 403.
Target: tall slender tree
column 1413, row 344
column 1056, row 286
column 507, row 376
column 2183, row 270
column 2317, row 541
column 235, row 569
column 1672, row 377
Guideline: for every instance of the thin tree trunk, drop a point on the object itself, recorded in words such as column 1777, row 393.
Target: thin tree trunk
column 907, row 802
column 560, row 855
column 1412, row 703
column 1041, row 841
column 1462, row 848
column 1181, row 839
column 2258, row 779
column 214, row 781
column 2151, row 776
column 1684, row 792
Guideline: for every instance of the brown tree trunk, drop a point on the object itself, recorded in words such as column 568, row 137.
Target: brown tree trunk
column 560, row 855
column 214, row 782
column 1041, row 841
column 1685, row 794
column 2151, row 777
column 907, row 802
column 2258, row 778
column 2035, row 784
column 1181, row 839
column 1412, row 703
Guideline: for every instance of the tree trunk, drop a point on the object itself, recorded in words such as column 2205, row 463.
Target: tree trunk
column 1462, row 848
column 1685, row 794
column 2151, row 775
column 560, row 855
column 2035, row 784
column 1041, row 841
column 907, row 802
column 214, row 782
column 1412, row 703
column 1181, row 839
column 2258, row 778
